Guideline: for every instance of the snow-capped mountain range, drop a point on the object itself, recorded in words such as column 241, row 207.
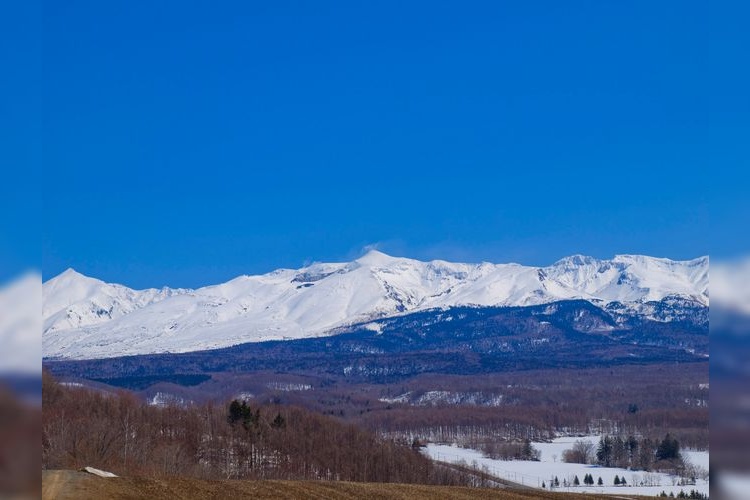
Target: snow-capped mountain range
column 88, row 318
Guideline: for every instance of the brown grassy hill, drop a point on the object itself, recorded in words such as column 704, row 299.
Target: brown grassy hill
column 66, row 484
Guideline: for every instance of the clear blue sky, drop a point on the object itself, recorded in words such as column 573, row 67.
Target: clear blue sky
column 188, row 142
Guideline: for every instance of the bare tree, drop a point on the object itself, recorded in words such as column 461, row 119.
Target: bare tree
column 581, row 453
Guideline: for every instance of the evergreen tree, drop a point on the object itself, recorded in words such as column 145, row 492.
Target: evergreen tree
column 249, row 419
column 527, row 453
column 242, row 412
column 600, row 482
column 235, row 412
column 668, row 449
column 576, row 482
column 557, row 482
column 632, row 444
column 619, row 452
column 278, row 422
column 604, row 452
column 617, row 480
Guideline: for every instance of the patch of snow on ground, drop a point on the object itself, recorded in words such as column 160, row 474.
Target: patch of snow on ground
column 288, row 387
column 164, row 399
column 435, row 398
column 553, row 452
column 403, row 398
column 374, row 327
column 697, row 458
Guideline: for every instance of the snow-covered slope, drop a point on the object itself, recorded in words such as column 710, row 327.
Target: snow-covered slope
column 72, row 300
column 87, row 318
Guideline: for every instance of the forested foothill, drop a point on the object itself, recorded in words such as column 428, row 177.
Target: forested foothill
column 495, row 412
column 121, row 433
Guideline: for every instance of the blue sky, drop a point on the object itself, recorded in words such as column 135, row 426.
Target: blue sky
column 187, row 143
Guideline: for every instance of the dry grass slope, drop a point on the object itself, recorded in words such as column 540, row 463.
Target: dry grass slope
column 64, row 485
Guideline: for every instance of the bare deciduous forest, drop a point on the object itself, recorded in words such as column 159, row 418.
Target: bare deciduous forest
column 118, row 432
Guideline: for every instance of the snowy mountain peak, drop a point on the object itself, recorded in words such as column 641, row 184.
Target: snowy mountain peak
column 71, row 276
column 69, row 273
column 377, row 258
column 72, row 300
column 85, row 317
column 576, row 260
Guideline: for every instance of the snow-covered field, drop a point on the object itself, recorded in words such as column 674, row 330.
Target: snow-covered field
column 534, row 474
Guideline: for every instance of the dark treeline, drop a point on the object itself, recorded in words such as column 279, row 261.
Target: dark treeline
column 121, row 433
column 647, row 401
column 476, row 426
column 510, row 451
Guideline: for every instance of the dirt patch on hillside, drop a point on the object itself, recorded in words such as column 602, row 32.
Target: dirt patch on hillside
column 64, row 484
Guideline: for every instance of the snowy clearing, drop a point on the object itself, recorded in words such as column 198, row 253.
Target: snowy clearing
column 535, row 474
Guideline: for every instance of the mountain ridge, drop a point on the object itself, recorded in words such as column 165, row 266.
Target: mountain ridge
column 88, row 318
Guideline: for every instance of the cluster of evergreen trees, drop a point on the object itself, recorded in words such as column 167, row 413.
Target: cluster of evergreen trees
column 694, row 494
column 240, row 412
column 588, row 480
column 638, row 454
